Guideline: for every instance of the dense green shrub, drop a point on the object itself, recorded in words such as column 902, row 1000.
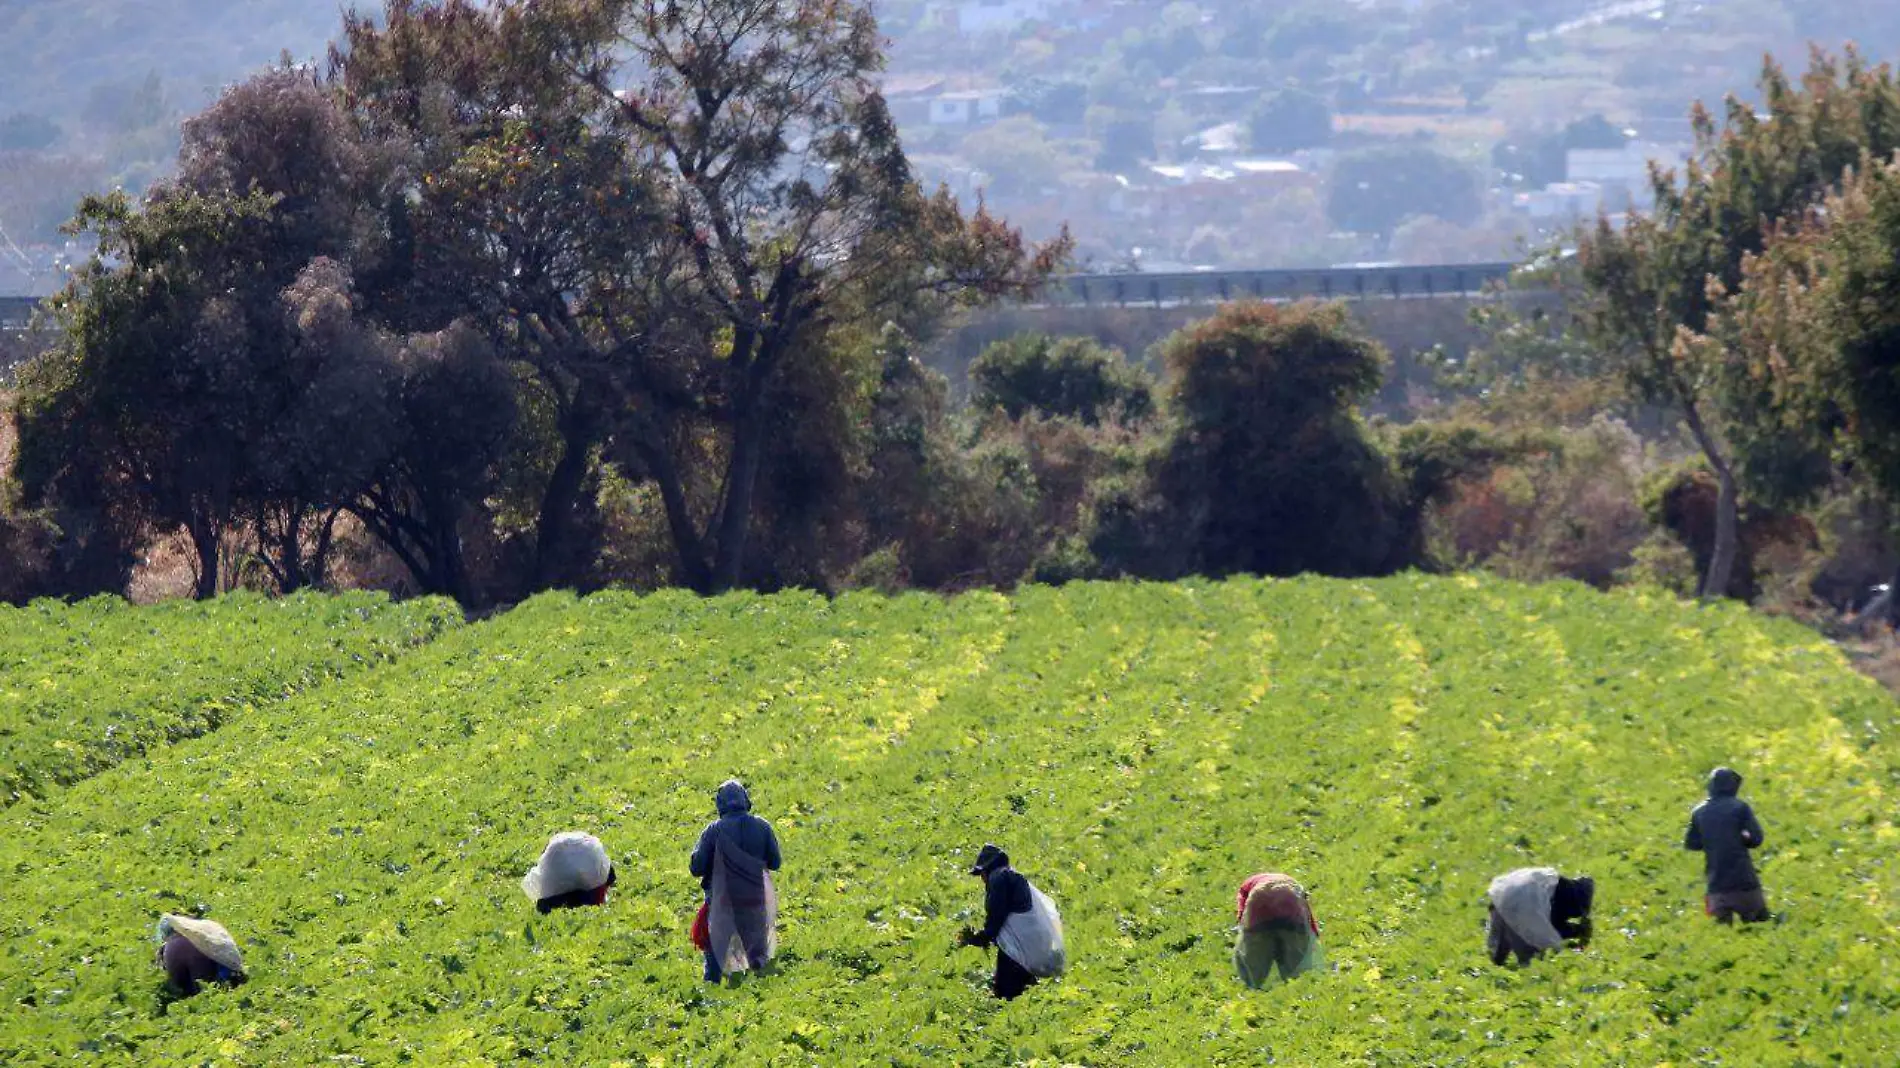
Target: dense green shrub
column 1070, row 376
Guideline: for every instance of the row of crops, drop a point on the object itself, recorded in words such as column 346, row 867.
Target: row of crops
column 84, row 686
column 1138, row 748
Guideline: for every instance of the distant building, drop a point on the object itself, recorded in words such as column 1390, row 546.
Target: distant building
column 910, row 97
column 1219, row 100
column 1251, row 173
column 1563, row 201
column 975, row 18
column 1623, row 171
column 1225, row 139
column 966, row 106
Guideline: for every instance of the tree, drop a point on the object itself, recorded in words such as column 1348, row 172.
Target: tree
column 1266, row 468
column 1539, row 159
column 455, row 406
column 214, row 366
column 1173, row 43
column 523, row 213
column 1374, row 190
column 26, row 132
column 500, row 247
column 1815, row 323
column 1018, row 157
column 1126, row 142
column 1072, row 376
column 780, row 167
column 148, row 390
column 1049, row 101
column 311, row 424
column 1289, row 120
column 1651, row 287
column 1312, row 28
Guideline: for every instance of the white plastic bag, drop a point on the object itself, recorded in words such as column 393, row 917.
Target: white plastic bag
column 207, row 937
column 572, row 861
column 727, row 927
column 1522, row 898
column 1033, row 939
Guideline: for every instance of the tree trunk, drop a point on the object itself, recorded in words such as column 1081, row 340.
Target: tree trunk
column 204, row 540
column 1727, row 509
column 555, row 527
column 687, row 544
column 413, row 540
column 291, row 576
column 1727, row 524
column 742, row 477
column 1893, row 600
column 319, row 573
column 446, row 558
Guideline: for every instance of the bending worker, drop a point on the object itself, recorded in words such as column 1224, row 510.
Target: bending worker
column 1534, row 911
column 194, row 951
column 1724, row 829
column 1277, row 928
column 734, row 860
column 573, row 871
column 1020, row 922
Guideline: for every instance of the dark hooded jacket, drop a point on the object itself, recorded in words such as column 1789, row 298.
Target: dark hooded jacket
column 1724, row 828
column 737, row 825
column 1005, row 893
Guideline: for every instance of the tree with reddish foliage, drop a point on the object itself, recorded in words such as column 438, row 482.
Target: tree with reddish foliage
column 1815, row 327
column 1651, row 287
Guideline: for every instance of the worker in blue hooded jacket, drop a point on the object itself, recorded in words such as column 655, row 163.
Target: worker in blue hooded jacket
column 734, row 860
column 1724, row 829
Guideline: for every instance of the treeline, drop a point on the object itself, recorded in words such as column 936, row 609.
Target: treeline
column 484, row 309
column 494, row 267
column 1717, row 383
column 616, row 292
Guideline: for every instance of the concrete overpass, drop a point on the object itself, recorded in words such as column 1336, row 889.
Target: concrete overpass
column 15, row 311
column 1331, row 283
column 1193, row 287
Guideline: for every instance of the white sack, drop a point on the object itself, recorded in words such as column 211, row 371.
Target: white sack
column 1033, row 939
column 572, row 861
column 208, row 937
column 1523, row 898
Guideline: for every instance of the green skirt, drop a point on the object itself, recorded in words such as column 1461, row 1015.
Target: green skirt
column 1288, row 945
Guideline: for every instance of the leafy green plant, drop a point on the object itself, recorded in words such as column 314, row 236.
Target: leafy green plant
column 1139, row 748
column 87, row 685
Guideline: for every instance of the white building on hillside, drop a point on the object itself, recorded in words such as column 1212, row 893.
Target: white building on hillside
column 1563, row 202
column 968, row 106
column 978, row 17
column 1623, row 170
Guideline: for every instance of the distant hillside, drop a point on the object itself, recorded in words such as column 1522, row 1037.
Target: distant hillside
column 1061, row 112
column 54, row 56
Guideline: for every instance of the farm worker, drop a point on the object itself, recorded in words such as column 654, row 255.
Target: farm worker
column 734, row 860
column 1020, row 922
column 194, row 951
column 1276, row 927
column 574, row 870
column 1533, row 911
column 1724, row 829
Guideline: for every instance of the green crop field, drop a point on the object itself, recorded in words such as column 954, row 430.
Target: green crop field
column 1139, row 749
column 84, row 686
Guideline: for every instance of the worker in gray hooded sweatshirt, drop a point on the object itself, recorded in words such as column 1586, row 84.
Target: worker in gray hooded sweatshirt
column 734, row 860
column 1724, row 829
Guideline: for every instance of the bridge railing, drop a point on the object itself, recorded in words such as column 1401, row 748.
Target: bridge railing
column 1335, row 283
column 1191, row 287
column 16, row 312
